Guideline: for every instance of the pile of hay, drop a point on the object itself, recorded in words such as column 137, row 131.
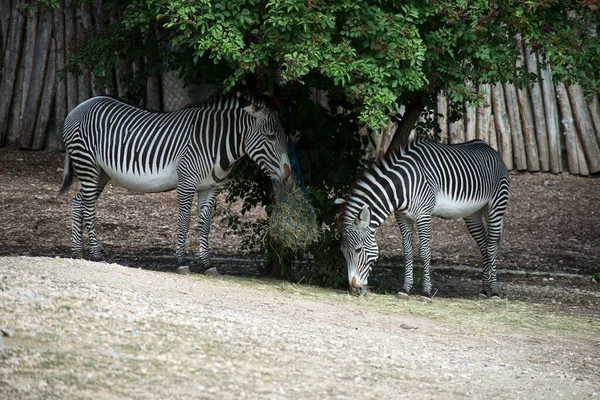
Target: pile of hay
column 292, row 222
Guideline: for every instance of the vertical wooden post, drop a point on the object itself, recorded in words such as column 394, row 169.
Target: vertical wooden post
column 502, row 125
column 551, row 119
column 42, row 36
column 493, row 136
column 442, row 118
column 484, row 114
column 539, row 115
column 594, row 107
column 71, row 45
column 12, row 56
column 456, row 131
column 5, row 17
column 586, row 128
column 60, row 102
column 518, row 144
column 84, row 86
column 46, row 101
column 568, row 128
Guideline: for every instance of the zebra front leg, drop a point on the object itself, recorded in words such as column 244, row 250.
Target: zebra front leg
column 76, row 226
column 206, row 201
column 406, row 228
column 184, row 208
column 424, row 230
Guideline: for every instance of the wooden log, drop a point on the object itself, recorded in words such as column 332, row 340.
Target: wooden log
column 502, row 125
column 29, row 61
column 12, row 56
column 493, row 136
column 551, row 109
column 484, row 114
column 583, row 168
column 71, row 47
column 514, row 117
column 84, row 85
column 60, row 101
column 46, row 101
column 569, row 129
column 539, row 115
column 586, row 128
column 442, row 116
column 471, row 124
column 5, row 17
column 456, row 131
column 594, row 107
column 528, row 124
column 32, row 98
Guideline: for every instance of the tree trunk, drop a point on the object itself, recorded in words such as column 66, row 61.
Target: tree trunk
column 502, row 126
column 539, row 115
column 31, row 101
column 551, row 119
column 586, row 129
column 484, row 114
column 568, row 128
column 406, row 125
column 384, row 139
column 12, row 55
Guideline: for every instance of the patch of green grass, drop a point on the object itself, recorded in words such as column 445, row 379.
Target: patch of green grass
column 477, row 313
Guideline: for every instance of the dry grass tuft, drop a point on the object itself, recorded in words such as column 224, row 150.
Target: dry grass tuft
column 292, row 222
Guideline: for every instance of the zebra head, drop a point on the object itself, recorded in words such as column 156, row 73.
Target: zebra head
column 358, row 246
column 266, row 142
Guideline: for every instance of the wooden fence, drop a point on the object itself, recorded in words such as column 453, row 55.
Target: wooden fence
column 547, row 127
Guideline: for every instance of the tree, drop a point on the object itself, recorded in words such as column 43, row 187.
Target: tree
column 370, row 56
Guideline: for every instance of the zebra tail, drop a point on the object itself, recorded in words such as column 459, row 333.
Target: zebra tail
column 67, row 174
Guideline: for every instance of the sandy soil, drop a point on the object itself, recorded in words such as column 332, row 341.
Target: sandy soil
column 78, row 329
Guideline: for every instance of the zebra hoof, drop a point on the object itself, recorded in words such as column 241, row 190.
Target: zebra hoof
column 495, row 296
column 212, row 272
column 402, row 296
column 426, row 299
column 183, row 270
column 483, row 296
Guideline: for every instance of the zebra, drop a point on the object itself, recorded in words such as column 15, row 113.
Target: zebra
column 421, row 180
column 191, row 150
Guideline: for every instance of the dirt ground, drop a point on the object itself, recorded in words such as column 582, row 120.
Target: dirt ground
column 127, row 329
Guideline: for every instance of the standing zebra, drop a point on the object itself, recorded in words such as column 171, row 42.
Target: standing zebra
column 191, row 150
column 426, row 179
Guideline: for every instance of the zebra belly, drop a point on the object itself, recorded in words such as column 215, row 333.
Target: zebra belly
column 145, row 182
column 447, row 207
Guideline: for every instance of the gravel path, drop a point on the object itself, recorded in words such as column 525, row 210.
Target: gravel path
column 76, row 329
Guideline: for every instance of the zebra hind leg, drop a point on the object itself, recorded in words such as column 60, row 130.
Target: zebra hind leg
column 406, row 228
column 424, row 230
column 76, row 226
column 90, row 191
column 185, row 199
column 479, row 232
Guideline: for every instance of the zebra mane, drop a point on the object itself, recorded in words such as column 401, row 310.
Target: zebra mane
column 231, row 101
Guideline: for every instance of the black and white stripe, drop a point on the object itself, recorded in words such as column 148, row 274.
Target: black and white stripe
column 426, row 179
column 191, row 150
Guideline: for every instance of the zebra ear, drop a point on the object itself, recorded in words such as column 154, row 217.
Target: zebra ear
column 249, row 106
column 364, row 218
column 338, row 206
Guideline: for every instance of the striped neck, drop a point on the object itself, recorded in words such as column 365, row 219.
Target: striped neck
column 377, row 189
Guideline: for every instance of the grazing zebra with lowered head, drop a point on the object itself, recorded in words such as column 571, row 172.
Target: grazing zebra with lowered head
column 426, row 179
column 191, row 150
